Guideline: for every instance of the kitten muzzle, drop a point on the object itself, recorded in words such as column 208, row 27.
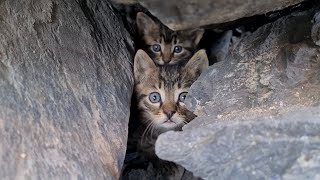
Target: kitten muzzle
column 169, row 113
column 169, row 121
column 166, row 61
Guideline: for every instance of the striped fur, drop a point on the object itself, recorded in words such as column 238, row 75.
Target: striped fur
column 153, row 32
column 169, row 81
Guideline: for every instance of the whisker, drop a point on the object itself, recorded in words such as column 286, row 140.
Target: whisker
column 152, row 129
column 145, row 132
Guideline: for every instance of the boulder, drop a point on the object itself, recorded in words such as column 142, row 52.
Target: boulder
column 257, row 110
column 65, row 89
column 185, row 14
column 276, row 147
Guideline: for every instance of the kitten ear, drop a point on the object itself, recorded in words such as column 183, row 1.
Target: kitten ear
column 145, row 24
column 143, row 66
column 197, row 64
column 196, row 35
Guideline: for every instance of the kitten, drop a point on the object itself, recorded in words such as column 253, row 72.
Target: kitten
column 160, row 92
column 164, row 45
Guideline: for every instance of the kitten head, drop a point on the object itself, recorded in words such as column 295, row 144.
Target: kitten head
column 165, row 46
column 161, row 90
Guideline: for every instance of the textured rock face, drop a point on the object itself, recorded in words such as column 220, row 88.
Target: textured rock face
column 282, row 147
column 65, row 89
column 186, row 14
column 253, row 116
column 273, row 68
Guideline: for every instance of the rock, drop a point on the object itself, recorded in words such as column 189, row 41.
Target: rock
column 185, row 14
column 65, row 89
column 315, row 31
column 273, row 68
column 255, row 115
column 282, row 147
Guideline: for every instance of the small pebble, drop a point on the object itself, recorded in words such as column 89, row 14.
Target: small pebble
column 23, row 155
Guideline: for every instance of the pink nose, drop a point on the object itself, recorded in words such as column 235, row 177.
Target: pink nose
column 166, row 61
column 169, row 113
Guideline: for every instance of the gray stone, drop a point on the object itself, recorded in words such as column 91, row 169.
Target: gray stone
column 315, row 31
column 273, row 68
column 185, row 14
column 65, row 89
column 255, row 115
column 276, row 147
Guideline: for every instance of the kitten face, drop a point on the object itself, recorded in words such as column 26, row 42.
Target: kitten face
column 165, row 46
column 161, row 90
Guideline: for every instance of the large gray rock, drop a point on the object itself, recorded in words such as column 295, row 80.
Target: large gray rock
column 282, row 147
column 65, row 89
column 274, row 68
column 184, row 14
column 255, row 115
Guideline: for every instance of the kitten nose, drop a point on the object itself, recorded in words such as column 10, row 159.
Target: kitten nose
column 169, row 113
column 166, row 61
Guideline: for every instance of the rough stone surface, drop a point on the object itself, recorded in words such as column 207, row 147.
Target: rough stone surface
column 255, row 115
column 273, row 68
column 315, row 32
column 282, row 147
column 65, row 89
column 185, row 14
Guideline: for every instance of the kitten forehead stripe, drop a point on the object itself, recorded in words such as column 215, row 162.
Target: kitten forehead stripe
column 152, row 31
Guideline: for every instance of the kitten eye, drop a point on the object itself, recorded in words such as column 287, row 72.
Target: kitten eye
column 177, row 49
column 154, row 97
column 182, row 96
column 156, row 48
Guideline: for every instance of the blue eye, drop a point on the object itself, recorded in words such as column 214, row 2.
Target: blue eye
column 154, row 97
column 182, row 96
column 177, row 49
column 156, row 48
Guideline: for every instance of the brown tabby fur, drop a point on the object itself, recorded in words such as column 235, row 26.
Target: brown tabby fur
column 153, row 32
column 169, row 81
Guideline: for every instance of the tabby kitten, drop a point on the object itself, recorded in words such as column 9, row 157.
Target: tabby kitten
column 161, row 91
column 164, row 45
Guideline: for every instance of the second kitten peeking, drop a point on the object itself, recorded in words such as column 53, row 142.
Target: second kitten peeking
column 164, row 45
